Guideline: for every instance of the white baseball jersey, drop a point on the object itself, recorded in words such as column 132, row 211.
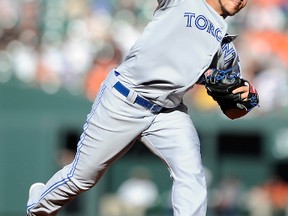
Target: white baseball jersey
column 174, row 50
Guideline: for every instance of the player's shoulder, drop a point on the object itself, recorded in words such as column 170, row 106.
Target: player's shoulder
column 164, row 4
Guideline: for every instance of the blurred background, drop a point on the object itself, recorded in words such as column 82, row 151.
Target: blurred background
column 53, row 56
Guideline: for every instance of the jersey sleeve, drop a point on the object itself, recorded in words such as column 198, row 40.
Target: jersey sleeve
column 226, row 58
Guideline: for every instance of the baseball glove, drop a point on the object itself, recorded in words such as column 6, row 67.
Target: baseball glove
column 221, row 83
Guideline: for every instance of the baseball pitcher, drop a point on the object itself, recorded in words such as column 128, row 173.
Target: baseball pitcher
column 185, row 44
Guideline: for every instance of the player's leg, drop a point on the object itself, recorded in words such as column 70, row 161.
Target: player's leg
column 111, row 126
column 174, row 139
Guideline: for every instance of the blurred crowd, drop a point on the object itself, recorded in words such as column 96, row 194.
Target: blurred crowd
column 231, row 197
column 72, row 45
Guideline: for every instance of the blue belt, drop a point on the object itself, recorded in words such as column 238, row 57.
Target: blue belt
column 139, row 100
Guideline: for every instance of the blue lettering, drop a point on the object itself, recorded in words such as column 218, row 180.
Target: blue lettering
column 189, row 17
column 227, row 49
column 218, row 34
column 201, row 22
column 229, row 52
column 211, row 29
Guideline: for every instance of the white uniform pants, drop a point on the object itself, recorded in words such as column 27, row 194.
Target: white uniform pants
column 112, row 126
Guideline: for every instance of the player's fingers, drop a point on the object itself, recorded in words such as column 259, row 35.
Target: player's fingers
column 242, row 89
column 244, row 95
column 208, row 72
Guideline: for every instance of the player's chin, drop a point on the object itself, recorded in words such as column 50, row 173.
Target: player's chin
column 233, row 10
column 230, row 13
